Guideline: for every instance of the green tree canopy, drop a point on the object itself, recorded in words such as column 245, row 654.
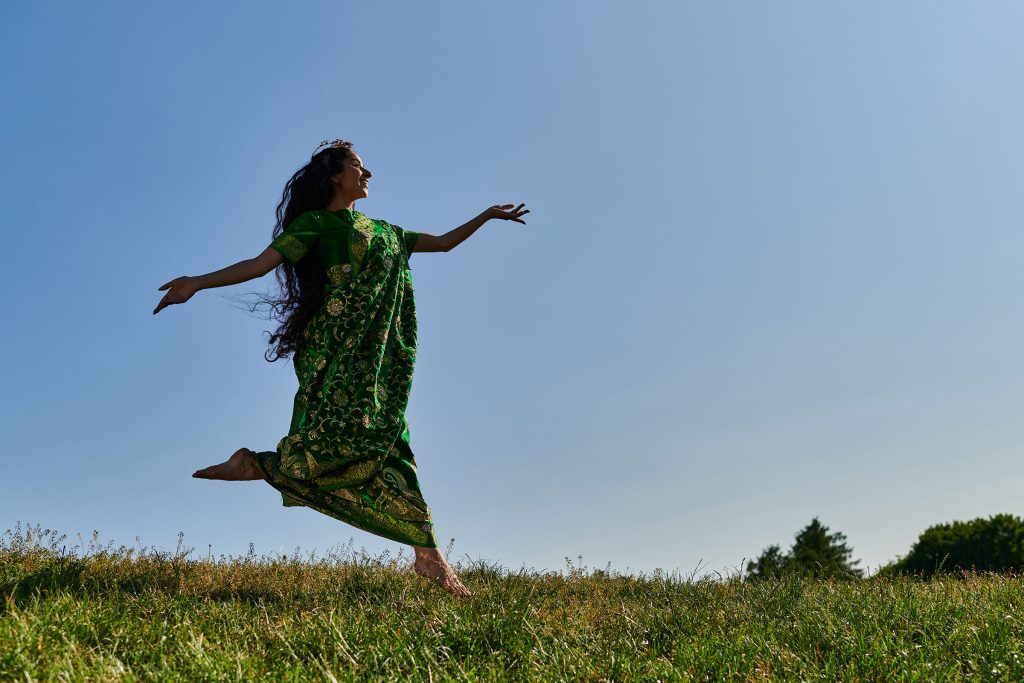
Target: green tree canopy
column 993, row 544
column 815, row 553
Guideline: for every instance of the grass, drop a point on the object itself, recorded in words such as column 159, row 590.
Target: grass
column 136, row 614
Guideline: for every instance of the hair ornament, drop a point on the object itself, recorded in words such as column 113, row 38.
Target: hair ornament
column 331, row 144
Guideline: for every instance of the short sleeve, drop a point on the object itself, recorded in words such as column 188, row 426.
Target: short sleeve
column 406, row 238
column 298, row 238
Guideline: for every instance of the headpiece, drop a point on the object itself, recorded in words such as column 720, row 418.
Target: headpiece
column 332, row 143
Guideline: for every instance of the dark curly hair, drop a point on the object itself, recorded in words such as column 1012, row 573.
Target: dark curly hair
column 303, row 285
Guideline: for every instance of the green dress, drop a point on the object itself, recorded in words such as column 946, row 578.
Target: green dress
column 347, row 452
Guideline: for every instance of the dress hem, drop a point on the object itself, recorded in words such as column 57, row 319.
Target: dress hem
column 360, row 516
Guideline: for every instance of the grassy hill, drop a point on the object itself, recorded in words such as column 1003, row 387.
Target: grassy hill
column 128, row 614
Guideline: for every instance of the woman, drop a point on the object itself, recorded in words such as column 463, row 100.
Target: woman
column 350, row 321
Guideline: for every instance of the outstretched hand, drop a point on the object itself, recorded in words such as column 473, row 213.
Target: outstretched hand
column 502, row 211
column 181, row 290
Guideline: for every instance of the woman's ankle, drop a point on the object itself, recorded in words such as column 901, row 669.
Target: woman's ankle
column 428, row 554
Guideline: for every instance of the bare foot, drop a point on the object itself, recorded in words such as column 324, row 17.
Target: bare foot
column 241, row 466
column 432, row 565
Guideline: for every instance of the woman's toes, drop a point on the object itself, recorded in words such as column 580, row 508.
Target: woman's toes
column 211, row 472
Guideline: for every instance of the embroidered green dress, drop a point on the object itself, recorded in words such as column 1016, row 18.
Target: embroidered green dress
column 347, row 452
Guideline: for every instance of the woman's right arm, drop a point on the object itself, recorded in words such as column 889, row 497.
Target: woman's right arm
column 182, row 288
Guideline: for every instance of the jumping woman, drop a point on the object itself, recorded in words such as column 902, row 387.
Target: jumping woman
column 350, row 322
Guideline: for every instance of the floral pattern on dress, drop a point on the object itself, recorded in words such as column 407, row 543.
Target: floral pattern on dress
column 347, row 452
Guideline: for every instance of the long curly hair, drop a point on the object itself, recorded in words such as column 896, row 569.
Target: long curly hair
column 302, row 285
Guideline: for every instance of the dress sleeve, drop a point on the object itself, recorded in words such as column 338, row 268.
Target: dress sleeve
column 298, row 238
column 406, row 238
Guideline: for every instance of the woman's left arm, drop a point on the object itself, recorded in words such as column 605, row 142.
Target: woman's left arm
column 453, row 238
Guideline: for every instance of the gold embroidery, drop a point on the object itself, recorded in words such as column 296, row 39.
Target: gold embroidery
column 362, row 234
column 363, row 225
column 289, row 247
column 358, row 249
column 345, row 423
column 311, row 463
column 344, row 493
column 388, row 501
column 394, row 478
column 350, row 475
column 338, row 275
column 360, row 505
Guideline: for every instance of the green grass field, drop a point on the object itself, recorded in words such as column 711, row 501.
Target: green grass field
column 106, row 613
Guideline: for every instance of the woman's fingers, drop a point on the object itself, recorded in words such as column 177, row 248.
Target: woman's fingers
column 514, row 214
column 165, row 303
column 503, row 212
column 169, row 284
column 169, row 297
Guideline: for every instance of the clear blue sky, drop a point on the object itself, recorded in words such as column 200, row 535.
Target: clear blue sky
column 771, row 269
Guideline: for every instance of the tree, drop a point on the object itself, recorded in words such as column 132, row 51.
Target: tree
column 771, row 564
column 993, row 544
column 815, row 553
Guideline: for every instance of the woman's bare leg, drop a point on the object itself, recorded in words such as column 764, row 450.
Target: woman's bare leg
column 431, row 564
column 241, row 466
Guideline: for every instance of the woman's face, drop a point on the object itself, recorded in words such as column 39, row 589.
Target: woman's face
column 353, row 180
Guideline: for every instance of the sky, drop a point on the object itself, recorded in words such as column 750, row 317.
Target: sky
column 770, row 270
